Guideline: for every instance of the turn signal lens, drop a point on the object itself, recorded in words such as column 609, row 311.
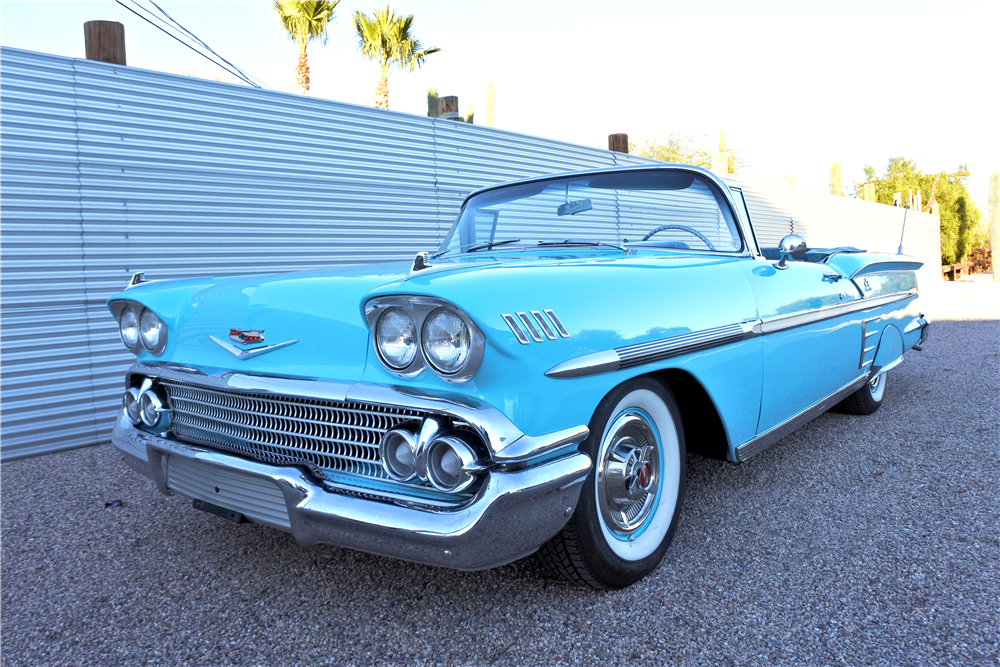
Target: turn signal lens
column 447, row 341
column 152, row 410
column 128, row 328
column 396, row 337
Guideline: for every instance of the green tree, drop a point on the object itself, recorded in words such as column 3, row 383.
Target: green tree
column 385, row 38
column 304, row 21
column 686, row 148
column 959, row 215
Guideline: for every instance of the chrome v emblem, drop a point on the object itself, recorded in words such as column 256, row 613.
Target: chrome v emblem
column 252, row 352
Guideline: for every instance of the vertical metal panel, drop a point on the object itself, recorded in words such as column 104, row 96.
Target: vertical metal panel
column 108, row 170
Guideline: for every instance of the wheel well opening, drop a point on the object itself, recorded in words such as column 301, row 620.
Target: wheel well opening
column 704, row 433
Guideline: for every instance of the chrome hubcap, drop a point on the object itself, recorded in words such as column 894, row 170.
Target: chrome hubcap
column 874, row 383
column 628, row 475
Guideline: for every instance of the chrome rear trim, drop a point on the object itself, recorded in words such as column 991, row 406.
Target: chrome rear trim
column 888, row 367
column 783, row 322
column 917, row 323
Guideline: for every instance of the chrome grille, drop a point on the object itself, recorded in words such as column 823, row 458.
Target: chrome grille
column 338, row 436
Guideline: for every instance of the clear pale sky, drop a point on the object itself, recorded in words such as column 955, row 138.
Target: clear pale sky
column 798, row 84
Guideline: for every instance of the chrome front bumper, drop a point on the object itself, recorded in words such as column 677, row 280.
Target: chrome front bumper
column 513, row 513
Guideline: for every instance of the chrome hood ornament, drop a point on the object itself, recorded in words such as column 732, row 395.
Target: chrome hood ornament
column 246, row 336
column 254, row 336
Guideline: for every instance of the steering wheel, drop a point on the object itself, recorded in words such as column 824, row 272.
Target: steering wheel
column 683, row 228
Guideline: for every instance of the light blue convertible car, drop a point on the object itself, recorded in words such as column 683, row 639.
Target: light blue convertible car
column 533, row 385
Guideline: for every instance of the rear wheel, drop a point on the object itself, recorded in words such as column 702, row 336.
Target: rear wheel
column 631, row 500
column 867, row 400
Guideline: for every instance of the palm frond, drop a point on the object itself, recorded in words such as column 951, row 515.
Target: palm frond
column 385, row 38
column 305, row 20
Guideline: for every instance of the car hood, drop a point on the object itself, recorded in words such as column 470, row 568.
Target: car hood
column 319, row 310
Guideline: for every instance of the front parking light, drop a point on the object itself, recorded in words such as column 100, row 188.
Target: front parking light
column 153, row 412
column 451, row 464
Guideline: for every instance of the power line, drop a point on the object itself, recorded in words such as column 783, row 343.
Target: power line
column 200, row 41
column 239, row 74
column 169, row 34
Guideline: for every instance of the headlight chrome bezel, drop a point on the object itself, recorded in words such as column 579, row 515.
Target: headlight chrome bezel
column 120, row 307
column 420, row 308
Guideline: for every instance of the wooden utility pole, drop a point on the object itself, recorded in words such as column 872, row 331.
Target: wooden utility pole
column 618, row 143
column 448, row 108
column 104, row 41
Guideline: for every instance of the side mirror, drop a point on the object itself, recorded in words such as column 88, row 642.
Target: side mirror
column 793, row 246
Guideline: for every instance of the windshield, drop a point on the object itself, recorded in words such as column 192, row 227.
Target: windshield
column 656, row 208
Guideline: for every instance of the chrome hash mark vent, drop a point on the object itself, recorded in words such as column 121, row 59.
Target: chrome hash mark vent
column 342, row 437
column 537, row 326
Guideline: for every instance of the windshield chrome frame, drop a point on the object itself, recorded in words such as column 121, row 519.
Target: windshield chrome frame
column 722, row 187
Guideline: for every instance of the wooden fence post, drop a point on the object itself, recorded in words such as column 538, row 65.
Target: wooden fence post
column 835, row 186
column 104, row 41
column 448, row 108
column 618, row 143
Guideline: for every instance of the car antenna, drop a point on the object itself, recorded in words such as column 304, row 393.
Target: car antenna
column 900, row 251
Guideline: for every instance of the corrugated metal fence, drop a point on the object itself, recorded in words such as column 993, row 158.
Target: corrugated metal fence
column 108, row 170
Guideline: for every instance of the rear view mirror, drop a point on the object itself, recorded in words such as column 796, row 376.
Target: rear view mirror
column 574, row 207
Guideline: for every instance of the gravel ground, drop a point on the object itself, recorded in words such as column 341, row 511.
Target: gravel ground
column 854, row 541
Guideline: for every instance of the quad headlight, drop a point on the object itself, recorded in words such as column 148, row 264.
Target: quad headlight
column 396, row 336
column 139, row 327
column 414, row 332
column 128, row 327
column 447, row 341
column 151, row 330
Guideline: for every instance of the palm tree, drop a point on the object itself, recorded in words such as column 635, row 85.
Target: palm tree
column 385, row 38
column 304, row 21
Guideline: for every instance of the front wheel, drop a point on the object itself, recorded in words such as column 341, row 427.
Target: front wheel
column 631, row 500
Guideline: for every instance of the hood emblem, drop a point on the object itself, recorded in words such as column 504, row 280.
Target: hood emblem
column 253, row 351
column 246, row 336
